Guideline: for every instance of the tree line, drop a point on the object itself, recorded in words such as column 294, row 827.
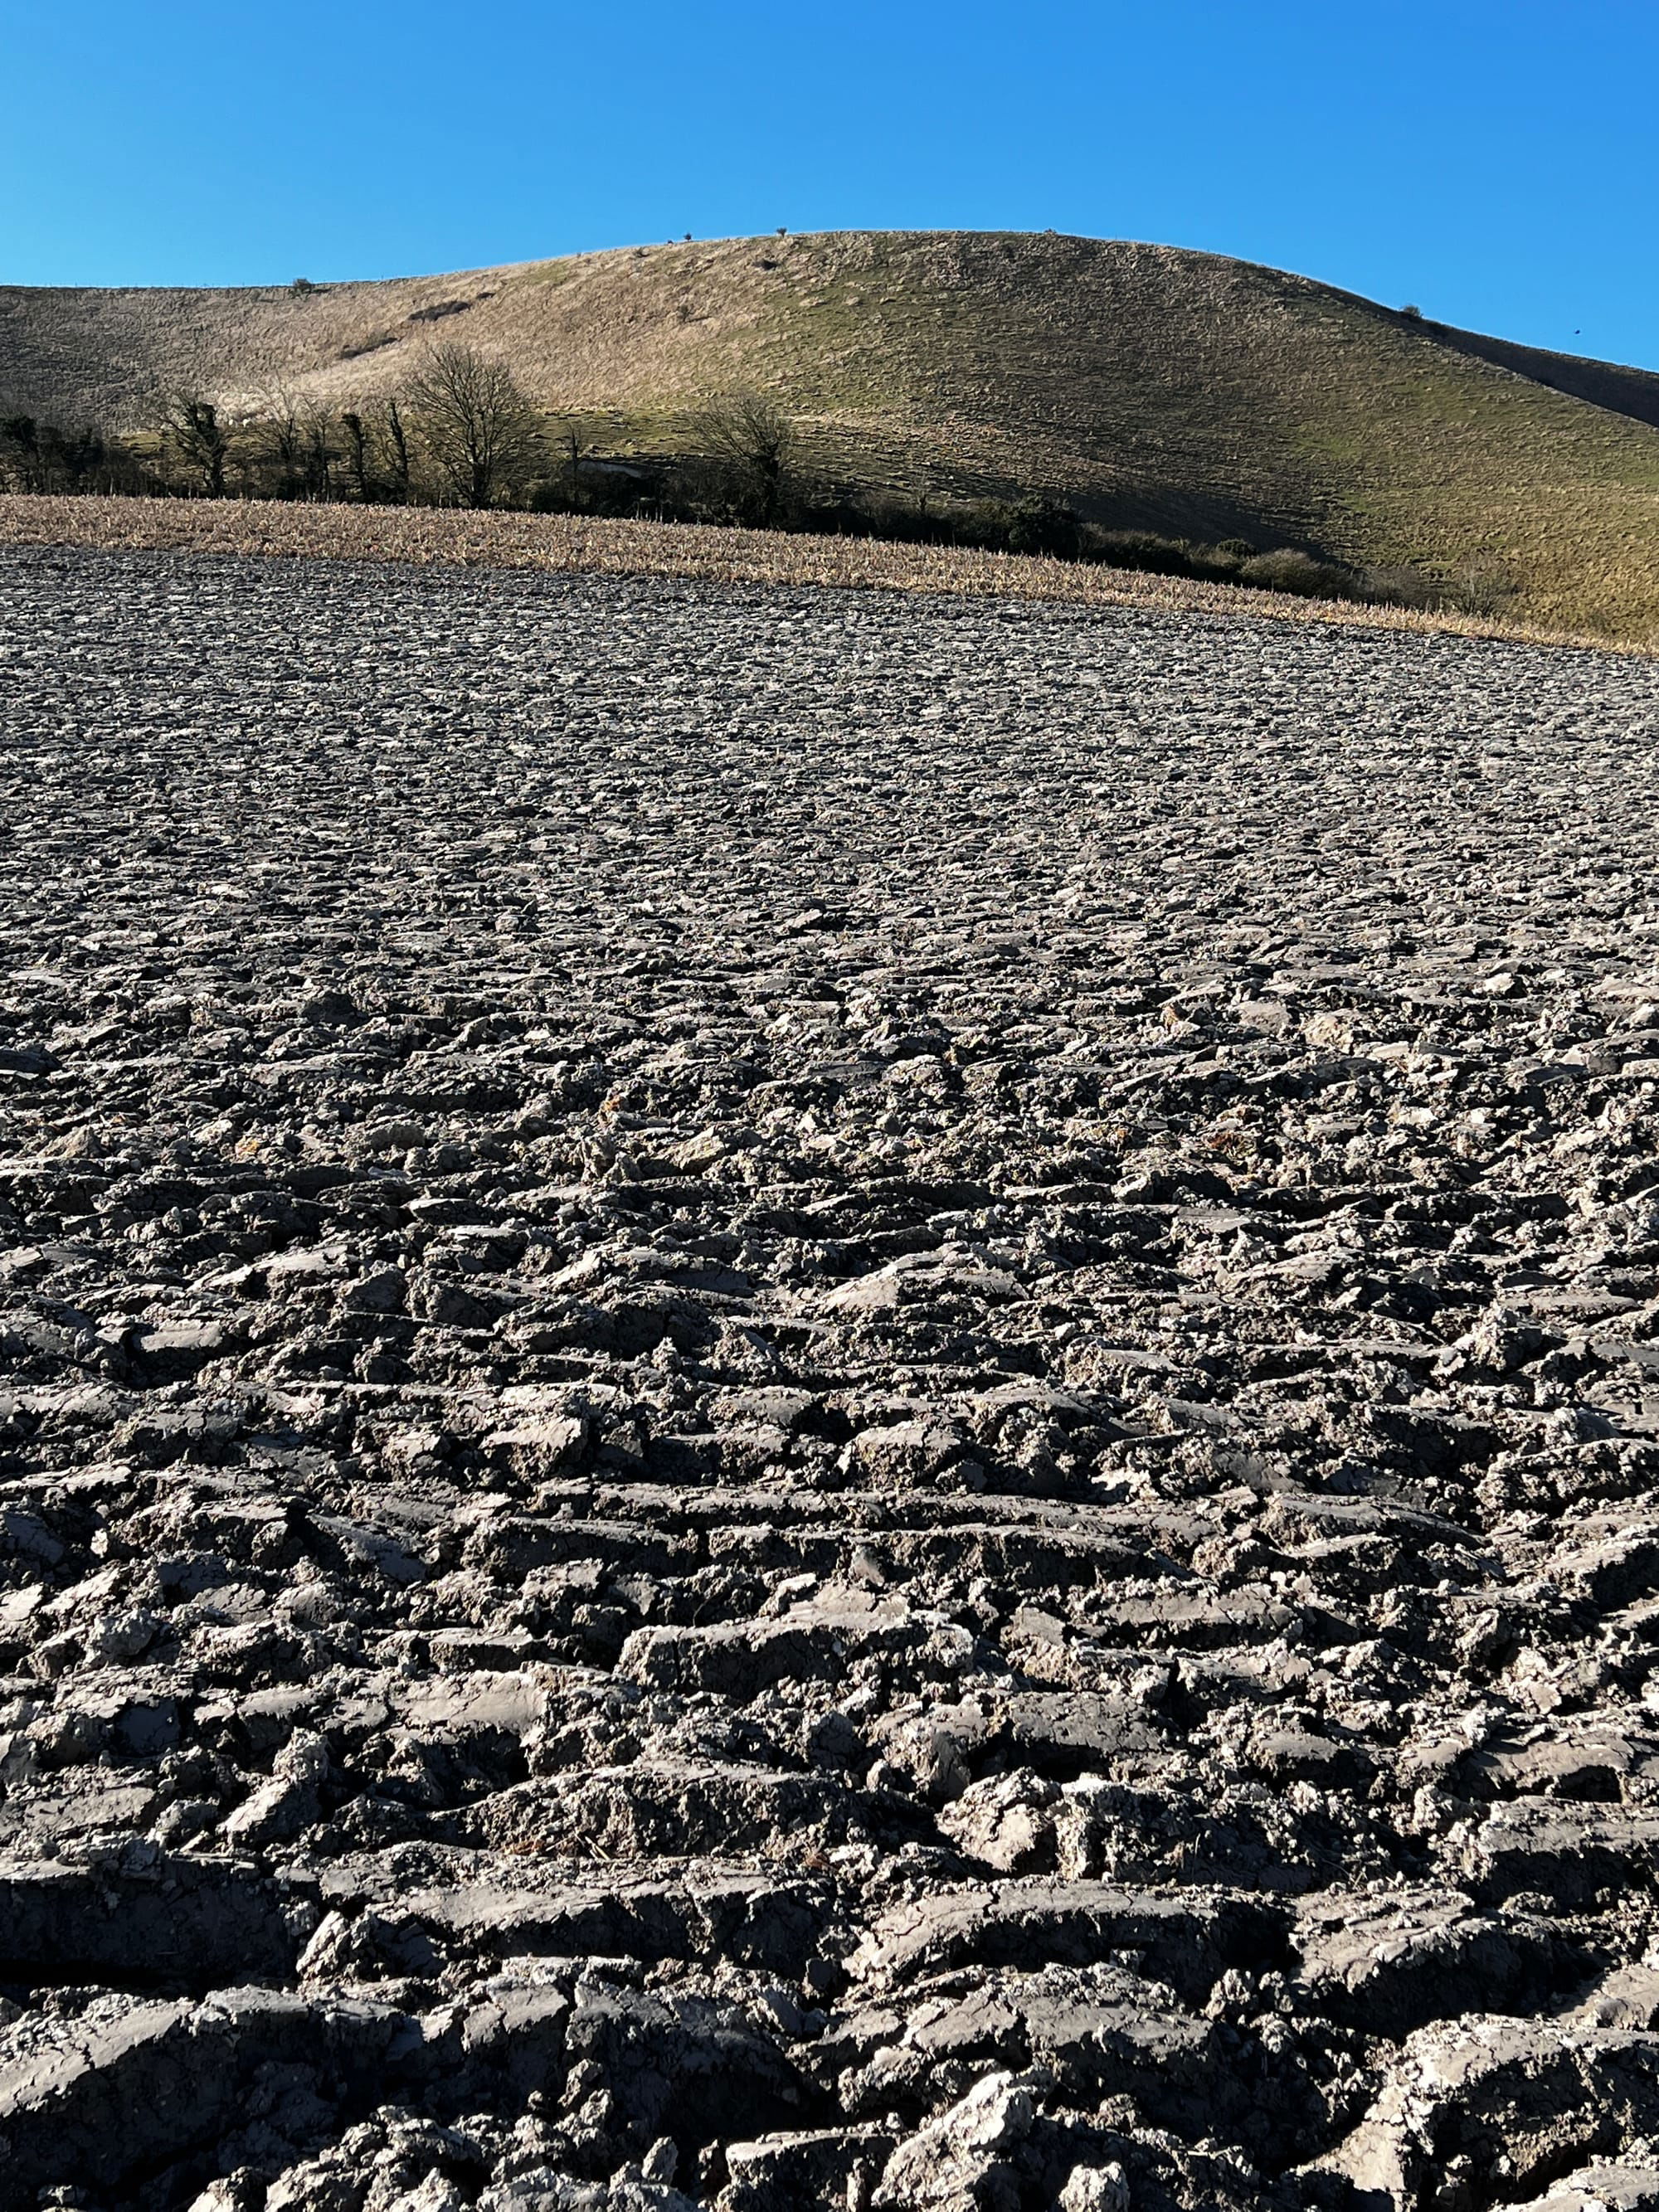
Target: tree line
column 461, row 432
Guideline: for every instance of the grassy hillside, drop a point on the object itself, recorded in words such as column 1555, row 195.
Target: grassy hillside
column 1158, row 388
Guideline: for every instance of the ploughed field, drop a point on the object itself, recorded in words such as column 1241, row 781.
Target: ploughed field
column 820, row 1401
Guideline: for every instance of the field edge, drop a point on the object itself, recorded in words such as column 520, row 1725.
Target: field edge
column 582, row 545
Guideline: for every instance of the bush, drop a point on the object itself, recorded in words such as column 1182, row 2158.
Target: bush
column 1289, row 570
column 1027, row 526
column 1481, row 588
column 1401, row 587
column 1166, row 556
column 598, row 487
column 1042, row 526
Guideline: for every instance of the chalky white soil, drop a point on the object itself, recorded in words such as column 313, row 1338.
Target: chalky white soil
column 811, row 1400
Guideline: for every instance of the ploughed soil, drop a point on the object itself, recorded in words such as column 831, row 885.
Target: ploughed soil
column 818, row 1400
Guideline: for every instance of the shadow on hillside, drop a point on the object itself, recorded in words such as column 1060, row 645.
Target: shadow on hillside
column 1631, row 392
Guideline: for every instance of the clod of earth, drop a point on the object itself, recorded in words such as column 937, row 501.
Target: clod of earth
column 819, row 1401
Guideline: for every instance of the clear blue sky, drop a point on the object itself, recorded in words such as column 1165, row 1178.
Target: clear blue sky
column 1491, row 160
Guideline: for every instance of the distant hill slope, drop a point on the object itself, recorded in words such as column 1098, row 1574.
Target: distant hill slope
column 1154, row 387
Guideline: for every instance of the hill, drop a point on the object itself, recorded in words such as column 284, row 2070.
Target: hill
column 1153, row 387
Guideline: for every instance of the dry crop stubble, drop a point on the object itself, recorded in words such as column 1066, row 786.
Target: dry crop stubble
column 572, row 544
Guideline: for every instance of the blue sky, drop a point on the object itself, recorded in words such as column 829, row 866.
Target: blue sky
column 1493, row 163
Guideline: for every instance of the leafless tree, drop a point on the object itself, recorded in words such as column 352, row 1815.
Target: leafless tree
column 356, row 454
column 395, row 438
column 753, row 440
column 481, row 434
column 318, row 452
column 375, row 452
column 194, row 430
column 273, row 443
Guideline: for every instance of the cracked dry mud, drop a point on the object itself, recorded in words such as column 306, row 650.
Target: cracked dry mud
column 816, row 1401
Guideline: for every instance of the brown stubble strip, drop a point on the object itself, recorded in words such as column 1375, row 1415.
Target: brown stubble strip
column 582, row 545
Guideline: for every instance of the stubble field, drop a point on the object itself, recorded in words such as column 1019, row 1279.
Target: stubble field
column 820, row 1400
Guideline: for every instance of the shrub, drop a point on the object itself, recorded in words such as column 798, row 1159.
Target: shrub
column 1289, row 570
column 1029, row 526
column 589, row 486
column 1044, row 526
column 1480, row 587
column 1160, row 556
column 1401, row 587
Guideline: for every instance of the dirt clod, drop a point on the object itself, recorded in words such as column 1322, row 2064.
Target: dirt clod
column 942, row 1491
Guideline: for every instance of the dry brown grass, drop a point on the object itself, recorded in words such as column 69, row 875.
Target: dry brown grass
column 577, row 545
column 1183, row 392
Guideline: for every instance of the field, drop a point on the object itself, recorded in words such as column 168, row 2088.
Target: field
column 820, row 1398
column 580, row 545
column 1155, row 388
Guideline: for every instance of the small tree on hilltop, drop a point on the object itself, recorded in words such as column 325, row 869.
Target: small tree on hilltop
column 480, row 432
column 751, row 438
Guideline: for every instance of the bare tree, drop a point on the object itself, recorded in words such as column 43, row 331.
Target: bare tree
column 376, row 452
column 192, row 428
column 396, row 448
column 483, row 434
column 357, row 455
column 280, row 439
column 751, row 438
column 319, row 454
